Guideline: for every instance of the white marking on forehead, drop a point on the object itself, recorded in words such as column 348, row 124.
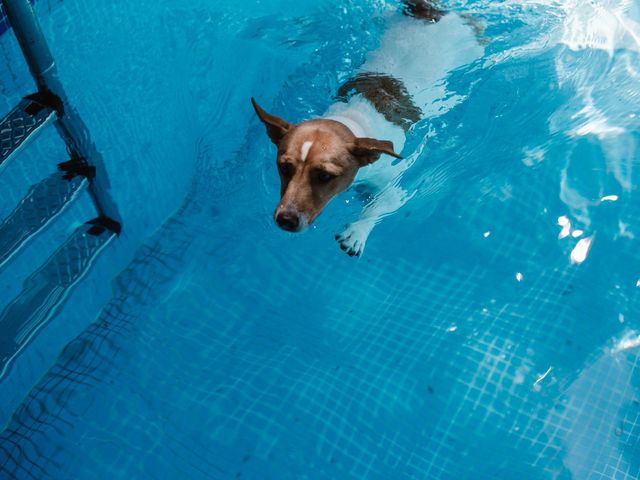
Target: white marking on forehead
column 304, row 151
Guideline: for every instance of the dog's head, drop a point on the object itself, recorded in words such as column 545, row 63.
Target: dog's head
column 317, row 159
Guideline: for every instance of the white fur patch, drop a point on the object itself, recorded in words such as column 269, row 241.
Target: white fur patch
column 304, row 151
column 423, row 56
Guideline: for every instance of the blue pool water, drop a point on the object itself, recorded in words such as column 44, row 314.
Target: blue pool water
column 477, row 338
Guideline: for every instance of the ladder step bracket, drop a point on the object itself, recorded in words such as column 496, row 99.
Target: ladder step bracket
column 77, row 167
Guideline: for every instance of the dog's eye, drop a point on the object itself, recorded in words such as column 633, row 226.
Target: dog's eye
column 286, row 169
column 322, row 176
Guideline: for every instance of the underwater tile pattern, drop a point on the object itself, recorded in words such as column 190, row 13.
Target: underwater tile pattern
column 465, row 344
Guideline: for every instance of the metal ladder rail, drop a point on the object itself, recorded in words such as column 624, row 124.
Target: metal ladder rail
column 45, row 289
column 86, row 160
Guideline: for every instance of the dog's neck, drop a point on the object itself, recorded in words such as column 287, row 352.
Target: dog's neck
column 360, row 116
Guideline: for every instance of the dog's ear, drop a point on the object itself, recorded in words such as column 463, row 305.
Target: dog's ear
column 276, row 126
column 368, row 150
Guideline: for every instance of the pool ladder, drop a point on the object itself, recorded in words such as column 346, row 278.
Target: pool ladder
column 45, row 289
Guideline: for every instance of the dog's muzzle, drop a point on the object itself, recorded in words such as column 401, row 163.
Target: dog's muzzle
column 290, row 221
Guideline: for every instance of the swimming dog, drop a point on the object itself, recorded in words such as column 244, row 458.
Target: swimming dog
column 399, row 84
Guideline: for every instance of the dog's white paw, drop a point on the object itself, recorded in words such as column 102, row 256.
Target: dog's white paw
column 350, row 245
column 353, row 239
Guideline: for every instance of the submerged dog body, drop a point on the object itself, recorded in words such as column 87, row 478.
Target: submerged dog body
column 400, row 83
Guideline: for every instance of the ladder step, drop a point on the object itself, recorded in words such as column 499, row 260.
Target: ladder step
column 44, row 201
column 45, row 289
column 20, row 124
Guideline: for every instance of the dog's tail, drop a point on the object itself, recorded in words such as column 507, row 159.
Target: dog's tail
column 424, row 9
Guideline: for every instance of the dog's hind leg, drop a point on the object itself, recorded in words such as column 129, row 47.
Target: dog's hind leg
column 424, row 9
column 355, row 235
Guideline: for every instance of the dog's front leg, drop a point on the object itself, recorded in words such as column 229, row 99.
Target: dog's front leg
column 353, row 239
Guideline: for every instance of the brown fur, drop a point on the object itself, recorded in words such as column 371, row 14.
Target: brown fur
column 424, row 9
column 331, row 164
column 387, row 94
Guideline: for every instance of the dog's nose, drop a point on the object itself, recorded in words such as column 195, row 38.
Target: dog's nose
column 288, row 220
